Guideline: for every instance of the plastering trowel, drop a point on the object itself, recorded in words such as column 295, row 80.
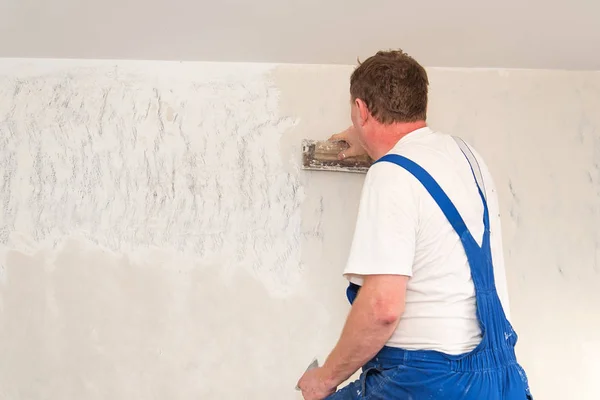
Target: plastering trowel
column 314, row 364
column 322, row 155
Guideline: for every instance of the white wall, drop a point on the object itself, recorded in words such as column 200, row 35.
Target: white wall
column 157, row 239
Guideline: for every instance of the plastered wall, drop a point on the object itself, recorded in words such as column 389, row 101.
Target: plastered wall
column 158, row 240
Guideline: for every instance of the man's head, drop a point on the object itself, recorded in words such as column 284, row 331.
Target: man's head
column 388, row 91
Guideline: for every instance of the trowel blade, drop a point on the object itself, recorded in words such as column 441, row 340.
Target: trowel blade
column 322, row 155
column 314, row 364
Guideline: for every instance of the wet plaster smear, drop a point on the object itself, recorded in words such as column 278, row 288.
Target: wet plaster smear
column 158, row 240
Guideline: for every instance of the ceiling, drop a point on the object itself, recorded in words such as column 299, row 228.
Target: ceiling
column 555, row 34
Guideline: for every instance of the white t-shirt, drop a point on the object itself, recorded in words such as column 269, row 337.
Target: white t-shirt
column 401, row 230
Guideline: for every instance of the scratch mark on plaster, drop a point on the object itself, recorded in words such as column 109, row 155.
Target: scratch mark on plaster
column 103, row 111
column 147, row 110
column 514, row 207
column 161, row 125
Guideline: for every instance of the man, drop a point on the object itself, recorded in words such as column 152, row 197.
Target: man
column 426, row 271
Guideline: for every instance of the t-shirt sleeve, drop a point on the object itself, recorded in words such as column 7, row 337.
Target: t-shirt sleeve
column 386, row 226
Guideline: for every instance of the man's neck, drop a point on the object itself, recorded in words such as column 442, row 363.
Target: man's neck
column 387, row 136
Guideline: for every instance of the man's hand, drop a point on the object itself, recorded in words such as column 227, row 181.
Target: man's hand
column 349, row 136
column 315, row 384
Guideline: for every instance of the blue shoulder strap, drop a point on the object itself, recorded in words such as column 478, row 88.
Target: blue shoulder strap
column 438, row 194
column 472, row 162
column 434, row 189
column 476, row 170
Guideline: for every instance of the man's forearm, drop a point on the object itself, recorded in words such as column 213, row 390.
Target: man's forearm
column 364, row 334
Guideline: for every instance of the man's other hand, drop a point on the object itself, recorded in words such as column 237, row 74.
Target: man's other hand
column 315, row 384
column 349, row 136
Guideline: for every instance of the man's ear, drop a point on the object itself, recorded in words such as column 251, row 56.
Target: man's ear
column 363, row 111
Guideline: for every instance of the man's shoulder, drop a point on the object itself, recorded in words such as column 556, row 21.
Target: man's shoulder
column 436, row 147
column 440, row 155
column 385, row 172
column 389, row 180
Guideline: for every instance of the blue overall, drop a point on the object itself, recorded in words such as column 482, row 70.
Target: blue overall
column 489, row 372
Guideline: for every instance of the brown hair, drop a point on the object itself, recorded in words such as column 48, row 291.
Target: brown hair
column 393, row 86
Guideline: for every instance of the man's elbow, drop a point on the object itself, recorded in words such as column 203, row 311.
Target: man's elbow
column 388, row 312
column 385, row 296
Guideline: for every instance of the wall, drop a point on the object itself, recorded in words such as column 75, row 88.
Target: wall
column 158, row 240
